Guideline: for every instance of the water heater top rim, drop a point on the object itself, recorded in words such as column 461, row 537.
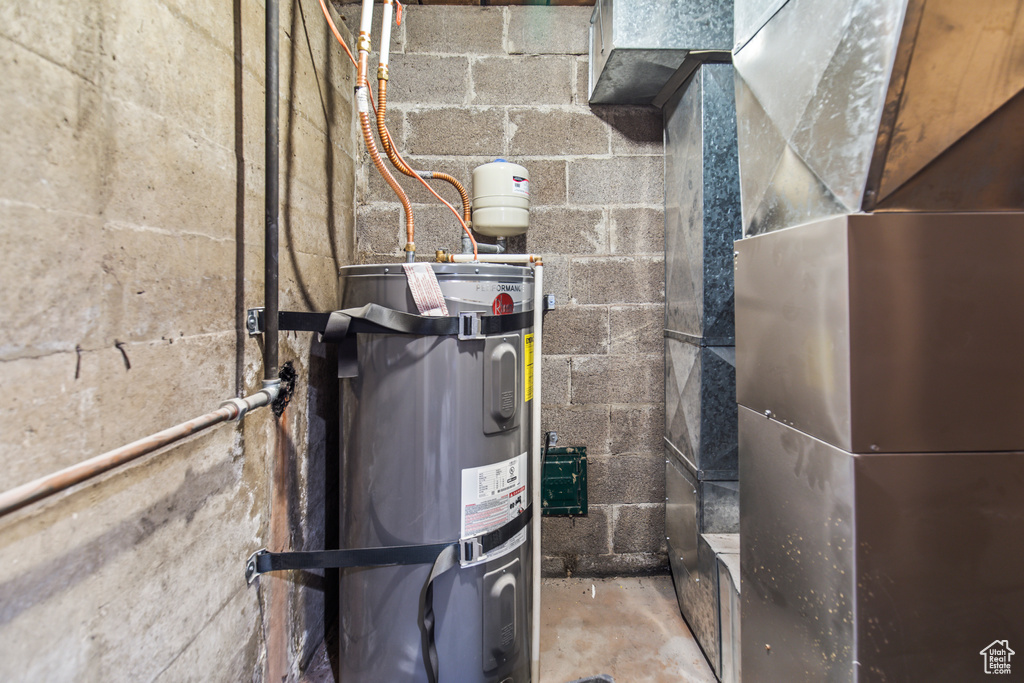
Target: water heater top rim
column 440, row 269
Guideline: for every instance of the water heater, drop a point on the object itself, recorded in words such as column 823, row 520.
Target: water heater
column 435, row 446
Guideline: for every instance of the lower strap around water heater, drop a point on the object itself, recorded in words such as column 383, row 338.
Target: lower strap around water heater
column 442, row 556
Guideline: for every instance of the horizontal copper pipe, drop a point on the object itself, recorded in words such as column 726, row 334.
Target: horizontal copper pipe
column 43, row 487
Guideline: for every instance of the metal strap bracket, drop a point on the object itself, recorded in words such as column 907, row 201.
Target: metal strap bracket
column 471, row 550
column 250, row 565
column 254, row 321
column 469, row 325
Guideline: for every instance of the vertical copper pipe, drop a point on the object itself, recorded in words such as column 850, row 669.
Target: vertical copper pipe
column 371, row 147
column 399, row 162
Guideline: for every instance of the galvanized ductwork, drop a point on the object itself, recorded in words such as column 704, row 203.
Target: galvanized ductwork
column 637, row 45
column 877, row 336
column 878, row 105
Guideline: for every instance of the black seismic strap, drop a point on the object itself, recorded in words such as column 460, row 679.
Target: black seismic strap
column 376, row 319
column 442, row 557
column 263, row 561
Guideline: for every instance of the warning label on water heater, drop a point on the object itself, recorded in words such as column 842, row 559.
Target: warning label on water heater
column 492, row 496
column 528, row 367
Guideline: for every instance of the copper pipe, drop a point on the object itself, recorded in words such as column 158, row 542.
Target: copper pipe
column 401, row 165
column 233, row 409
column 43, row 487
column 371, row 147
column 466, row 213
column 388, row 145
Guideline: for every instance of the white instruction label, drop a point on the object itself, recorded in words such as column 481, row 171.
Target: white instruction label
column 521, row 185
column 362, row 100
column 492, row 496
column 426, row 291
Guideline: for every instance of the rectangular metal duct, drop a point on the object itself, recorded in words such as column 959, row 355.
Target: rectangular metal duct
column 886, row 332
column 702, row 205
column 872, row 105
column 700, row 406
column 636, row 45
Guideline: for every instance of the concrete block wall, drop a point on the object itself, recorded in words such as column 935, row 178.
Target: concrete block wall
column 469, row 84
column 131, row 139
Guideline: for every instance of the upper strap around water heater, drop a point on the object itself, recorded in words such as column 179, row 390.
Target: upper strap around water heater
column 376, row 319
column 466, row 550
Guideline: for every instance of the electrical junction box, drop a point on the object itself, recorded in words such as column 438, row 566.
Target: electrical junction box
column 563, row 489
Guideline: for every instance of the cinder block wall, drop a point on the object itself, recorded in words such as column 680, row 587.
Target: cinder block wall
column 469, row 84
column 131, row 223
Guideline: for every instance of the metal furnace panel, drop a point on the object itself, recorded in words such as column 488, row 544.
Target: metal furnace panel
column 796, row 555
column 896, row 567
column 793, row 328
column 936, row 330
column 939, row 543
column 886, row 332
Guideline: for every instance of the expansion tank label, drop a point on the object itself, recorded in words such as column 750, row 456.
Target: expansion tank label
column 492, row 496
column 520, row 185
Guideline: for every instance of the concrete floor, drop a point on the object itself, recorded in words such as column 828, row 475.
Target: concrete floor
column 630, row 629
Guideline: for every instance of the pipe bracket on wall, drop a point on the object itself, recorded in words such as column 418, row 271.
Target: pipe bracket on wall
column 254, row 321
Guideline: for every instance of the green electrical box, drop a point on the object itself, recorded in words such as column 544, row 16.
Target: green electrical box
column 563, row 490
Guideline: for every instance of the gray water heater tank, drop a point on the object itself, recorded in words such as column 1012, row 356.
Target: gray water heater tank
column 433, row 430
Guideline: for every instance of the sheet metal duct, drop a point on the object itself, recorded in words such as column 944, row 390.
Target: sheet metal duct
column 886, row 332
column 636, row 45
column 702, row 219
column 851, row 105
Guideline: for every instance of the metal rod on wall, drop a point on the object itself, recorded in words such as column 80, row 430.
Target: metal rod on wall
column 232, row 409
column 272, row 203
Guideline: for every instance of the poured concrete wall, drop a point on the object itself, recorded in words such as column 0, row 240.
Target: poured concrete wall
column 131, row 214
column 469, row 84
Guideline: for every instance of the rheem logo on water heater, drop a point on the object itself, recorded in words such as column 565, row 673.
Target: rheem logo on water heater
column 503, row 304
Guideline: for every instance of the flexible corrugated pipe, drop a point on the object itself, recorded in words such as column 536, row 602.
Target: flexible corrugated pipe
column 363, row 103
column 399, row 162
column 386, row 140
column 385, row 136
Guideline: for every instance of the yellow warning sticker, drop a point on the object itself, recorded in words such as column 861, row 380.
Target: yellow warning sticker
column 528, row 365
